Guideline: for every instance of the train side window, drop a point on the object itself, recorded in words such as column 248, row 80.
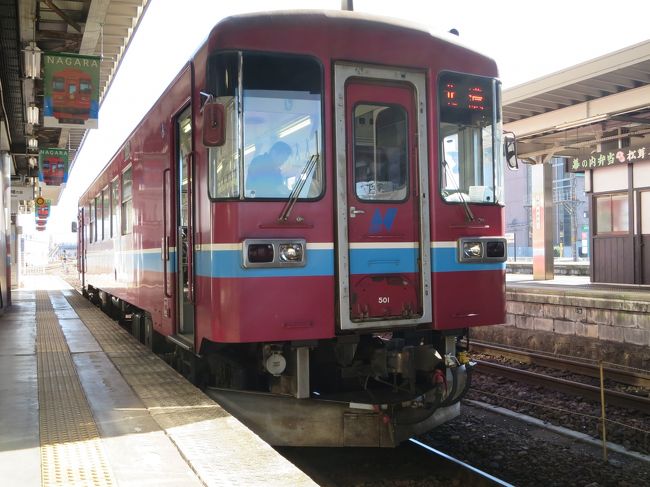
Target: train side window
column 91, row 222
column 106, row 210
column 380, row 152
column 115, row 205
column 127, row 202
column 98, row 217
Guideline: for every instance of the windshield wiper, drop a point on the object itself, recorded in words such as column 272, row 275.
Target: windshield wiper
column 468, row 211
column 297, row 188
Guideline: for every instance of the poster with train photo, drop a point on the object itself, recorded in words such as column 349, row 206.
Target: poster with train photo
column 71, row 85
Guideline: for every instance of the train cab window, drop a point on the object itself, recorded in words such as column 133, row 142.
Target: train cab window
column 58, row 84
column 85, row 87
column 471, row 165
column 127, row 202
column 380, row 152
column 115, row 206
column 281, row 123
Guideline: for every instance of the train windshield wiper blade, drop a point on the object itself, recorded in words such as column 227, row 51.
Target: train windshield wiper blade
column 297, row 188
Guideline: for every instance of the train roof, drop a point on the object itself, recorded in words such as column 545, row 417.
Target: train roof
column 327, row 18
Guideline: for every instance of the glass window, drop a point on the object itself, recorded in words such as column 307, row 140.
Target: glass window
column 380, row 152
column 281, row 122
column 470, row 139
column 98, row 217
column 106, row 197
column 115, row 206
column 612, row 214
column 127, row 203
column 85, row 87
column 91, row 224
column 58, row 84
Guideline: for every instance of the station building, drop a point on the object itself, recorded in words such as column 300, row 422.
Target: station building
column 593, row 119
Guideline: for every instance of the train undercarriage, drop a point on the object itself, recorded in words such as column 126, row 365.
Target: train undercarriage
column 370, row 390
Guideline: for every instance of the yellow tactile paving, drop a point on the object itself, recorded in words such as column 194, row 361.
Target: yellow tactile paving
column 218, row 447
column 71, row 450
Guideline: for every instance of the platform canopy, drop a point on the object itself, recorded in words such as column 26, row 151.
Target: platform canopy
column 88, row 27
column 573, row 110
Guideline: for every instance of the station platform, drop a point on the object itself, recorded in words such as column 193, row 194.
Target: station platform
column 83, row 403
column 571, row 316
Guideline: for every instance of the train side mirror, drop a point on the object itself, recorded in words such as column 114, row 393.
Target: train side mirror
column 214, row 129
column 74, row 227
column 510, row 150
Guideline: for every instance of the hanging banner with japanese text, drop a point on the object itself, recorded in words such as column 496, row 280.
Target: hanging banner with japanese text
column 53, row 166
column 71, row 85
column 597, row 160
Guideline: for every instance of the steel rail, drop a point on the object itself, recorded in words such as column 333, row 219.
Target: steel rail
column 631, row 378
column 480, row 473
column 562, row 385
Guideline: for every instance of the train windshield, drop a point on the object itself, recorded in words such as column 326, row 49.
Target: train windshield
column 471, row 169
column 274, row 126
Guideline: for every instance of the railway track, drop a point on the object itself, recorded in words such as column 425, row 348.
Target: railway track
column 474, row 475
column 613, row 397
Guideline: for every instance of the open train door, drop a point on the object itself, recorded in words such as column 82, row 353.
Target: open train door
column 382, row 199
column 178, row 235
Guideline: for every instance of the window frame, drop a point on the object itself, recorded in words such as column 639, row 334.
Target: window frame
column 496, row 149
column 106, row 212
column 115, row 205
column 239, row 112
column 124, row 201
column 407, row 176
column 622, row 196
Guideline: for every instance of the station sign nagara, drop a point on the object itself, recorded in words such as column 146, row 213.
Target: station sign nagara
column 597, row 160
column 71, row 89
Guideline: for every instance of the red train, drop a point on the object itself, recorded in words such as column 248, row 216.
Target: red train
column 71, row 95
column 308, row 221
column 53, row 171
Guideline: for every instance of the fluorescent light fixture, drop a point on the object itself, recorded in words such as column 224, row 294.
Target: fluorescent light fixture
column 584, row 121
column 32, row 114
column 295, row 126
column 33, row 161
column 32, row 143
column 32, row 61
column 250, row 149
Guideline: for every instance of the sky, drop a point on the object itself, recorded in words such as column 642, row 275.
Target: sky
column 527, row 40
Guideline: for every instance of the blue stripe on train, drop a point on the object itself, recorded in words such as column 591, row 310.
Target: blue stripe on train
column 228, row 263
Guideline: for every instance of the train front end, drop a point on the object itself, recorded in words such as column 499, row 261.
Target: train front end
column 352, row 226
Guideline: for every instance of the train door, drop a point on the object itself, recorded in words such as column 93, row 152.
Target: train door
column 184, row 254
column 382, row 204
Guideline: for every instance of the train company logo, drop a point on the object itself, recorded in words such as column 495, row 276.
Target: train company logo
column 381, row 222
column 71, row 85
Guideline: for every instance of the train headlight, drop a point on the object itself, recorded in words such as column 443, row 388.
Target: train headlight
column 482, row 250
column 274, row 252
column 291, row 252
column 260, row 253
column 472, row 250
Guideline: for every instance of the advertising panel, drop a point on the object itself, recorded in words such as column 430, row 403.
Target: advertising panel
column 71, row 85
column 53, row 166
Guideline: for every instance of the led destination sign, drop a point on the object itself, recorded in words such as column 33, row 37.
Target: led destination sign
column 468, row 97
